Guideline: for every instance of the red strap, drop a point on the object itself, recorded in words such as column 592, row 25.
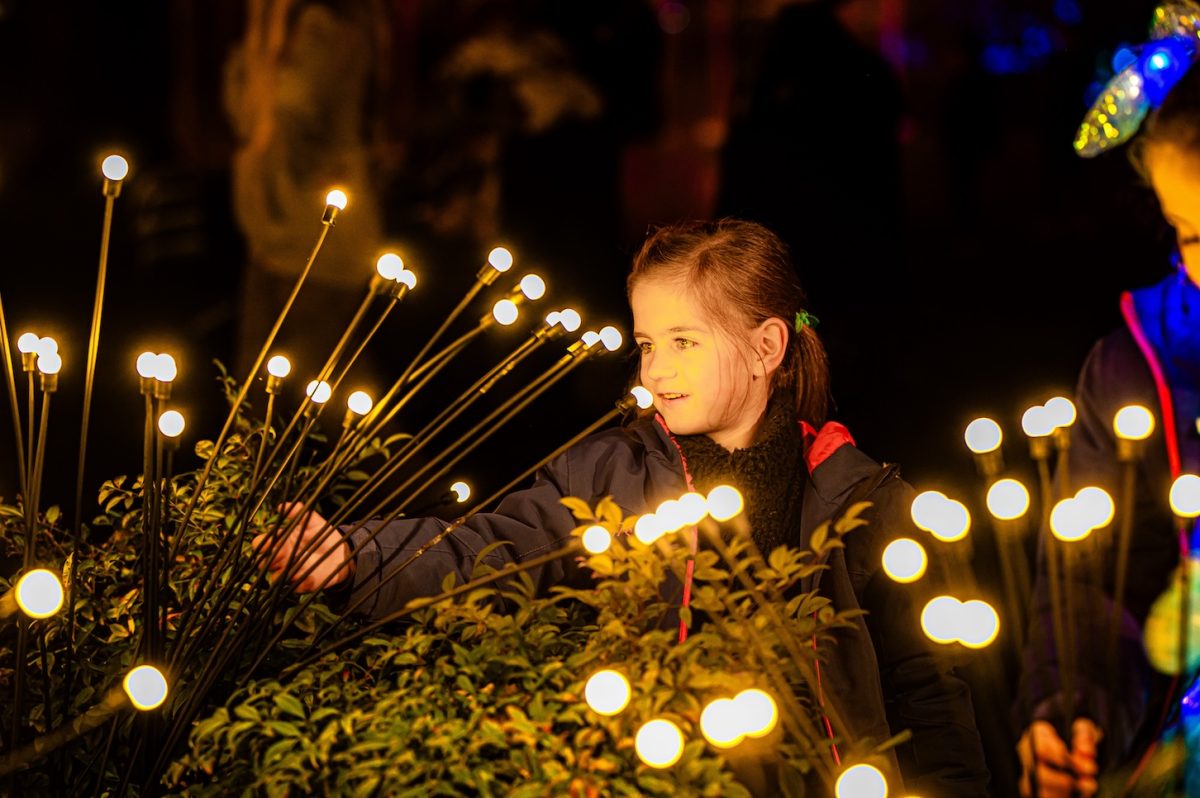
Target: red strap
column 820, row 445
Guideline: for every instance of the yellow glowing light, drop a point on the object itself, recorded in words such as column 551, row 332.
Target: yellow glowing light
column 46, row 346
column 27, row 344
column 980, row 624
column 611, row 338
column 1185, row 496
column 279, row 367
column 389, row 266
column 983, row 435
column 925, row 508
column 1007, row 499
column 861, row 781
column 409, row 278
column 1134, row 423
column 318, row 391
column 147, row 365
column 1062, row 411
column 49, row 362
column 114, row 167
column 504, row 312
column 1097, row 506
column 1069, row 521
column 659, row 743
column 596, row 539
column 533, row 287
column 648, row 529
column 337, row 198
column 360, row 403
column 146, row 687
column 39, row 593
column 643, row 396
column 941, row 619
column 171, row 424
column 757, row 712
column 500, row 259
column 461, row 490
column 724, row 502
column 569, row 319
column 692, row 508
column 1037, row 422
column 951, row 521
column 607, row 692
column 719, row 723
column 904, row 560
column 165, row 369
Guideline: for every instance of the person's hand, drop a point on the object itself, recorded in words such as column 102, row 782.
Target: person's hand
column 1060, row 773
column 329, row 556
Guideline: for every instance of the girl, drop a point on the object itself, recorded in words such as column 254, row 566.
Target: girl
column 740, row 386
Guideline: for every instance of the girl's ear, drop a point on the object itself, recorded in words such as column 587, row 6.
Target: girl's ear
column 770, row 340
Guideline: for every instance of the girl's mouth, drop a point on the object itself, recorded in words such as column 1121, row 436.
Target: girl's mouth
column 672, row 397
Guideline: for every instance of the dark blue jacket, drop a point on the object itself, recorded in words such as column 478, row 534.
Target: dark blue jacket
column 884, row 675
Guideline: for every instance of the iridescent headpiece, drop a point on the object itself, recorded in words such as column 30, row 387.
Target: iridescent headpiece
column 1144, row 82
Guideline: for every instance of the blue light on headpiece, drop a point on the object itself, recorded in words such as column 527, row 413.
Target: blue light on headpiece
column 1162, row 64
column 1123, row 57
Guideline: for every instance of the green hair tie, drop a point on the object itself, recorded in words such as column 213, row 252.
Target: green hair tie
column 806, row 319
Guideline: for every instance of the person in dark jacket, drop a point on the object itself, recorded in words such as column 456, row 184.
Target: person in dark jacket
column 1153, row 361
column 740, row 386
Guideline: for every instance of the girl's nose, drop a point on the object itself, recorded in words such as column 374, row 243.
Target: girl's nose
column 658, row 368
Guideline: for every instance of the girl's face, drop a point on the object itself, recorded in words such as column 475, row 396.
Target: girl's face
column 702, row 382
column 1175, row 175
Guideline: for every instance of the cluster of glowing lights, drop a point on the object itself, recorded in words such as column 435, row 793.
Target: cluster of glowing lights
column 161, row 367
column 318, row 391
column 39, row 593
column 146, row 687
column 1133, row 423
column 722, row 503
column 607, row 692
column 1185, row 496
column 359, row 403
column 1076, row 517
column 861, row 781
column 1042, row 420
column 171, row 424
column 946, row 519
column 500, row 259
column 974, row 623
column 46, row 350
column 567, row 318
column 1007, row 499
column 726, row 722
column 461, row 491
column 983, row 435
column 904, row 560
column 390, row 266
column 114, row 168
column 337, row 198
column 279, row 367
column 659, row 743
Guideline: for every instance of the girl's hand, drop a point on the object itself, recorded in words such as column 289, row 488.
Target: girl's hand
column 1059, row 772
column 330, row 556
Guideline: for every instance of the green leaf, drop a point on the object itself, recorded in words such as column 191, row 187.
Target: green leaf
column 247, row 712
column 289, row 704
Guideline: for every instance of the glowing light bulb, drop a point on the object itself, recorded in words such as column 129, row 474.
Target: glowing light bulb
column 114, row 167
column 408, row 278
column 1134, row 423
column 757, row 712
column 659, row 743
column 318, row 391
column 1160, row 60
column 925, row 507
column 165, row 369
column 389, row 266
column 1062, row 411
column 607, row 692
column 337, row 198
column 861, row 781
column 596, row 539
column 670, row 515
column 724, row 502
column 533, row 287
column 590, row 339
column 904, row 560
column 1097, row 506
column 983, row 435
column 39, row 593
column 570, row 319
column 719, row 723
column 146, row 687
column 1007, row 499
column 147, row 365
column 360, row 403
column 611, row 338
column 504, row 312
column 980, row 624
column 27, row 344
column 279, row 367
column 692, row 508
column 46, row 346
column 648, row 529
column 500, row 259
column 951, row 521
column 941, row 619
column 462, row 491
column 1185, row 496
column 1037, row 422
column 171, row 423
column 49, row 362
column 1069, row 521
column 643, row 396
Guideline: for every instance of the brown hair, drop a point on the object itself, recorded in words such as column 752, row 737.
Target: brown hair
column 1176, row 122
column 742, row 275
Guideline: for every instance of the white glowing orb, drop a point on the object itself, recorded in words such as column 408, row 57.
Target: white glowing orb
column 979, row 624
column 692, row 508
column 360, row 403
column 461, row 490
column 318, row 391
column 724, row 502
column 147, row 365
column 1037, row 422
column 648, row 528
column 659, row 743
column 719, row 723
column 389, row 266
column 533, row 287
column 1007, row 499
column 165, row 369
column 607, row 692
column 570, row 319
column 1133, row 422
column 1062, row 411
column 39, row 593
column 925, row 507
column 1069, row 521
column 1185, row 496
column 1098, row 507
column 861, row 781
column 408, row 278
column 904, row 560
column 49, row 362
column 505, row 312
column 941, row 619
column 590, row 339
column 983, row 435
column 611, row 338
column 670, row 515
column 28, row 342
column 951, row 521
column 500, row 259
column 337, row 198
column 596, row 539
column 279, row 367
column 114, row 167
column 171, row 424
column 146, row 687
column 46, row 346
column 757, row 712
column 644, row 398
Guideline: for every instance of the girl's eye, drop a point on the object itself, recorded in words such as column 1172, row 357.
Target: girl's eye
column 684, row 343
column 645, row 347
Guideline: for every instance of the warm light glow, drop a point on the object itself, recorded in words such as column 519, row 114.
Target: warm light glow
column 146, row 687
column 1069, row 521
column 389, row 266
column 408, row 278
column 114, row 167
column 49, row 363
column 318, row 391
column 979, row 624
column 461, row 490
column 648, row 529
column 611, row 338
column 1185, row 496
column 505, row 312
column 590, row 339
column 570, row 319
column 904, row 560
column 861, row 781
column 147, row 365
column 724, row 502
column 1037, row 422
column 670, row 515
column 757, row 712
column 692, row 508
column 1134, row 423
column 1062, row 411
column 500, row 259
column 596, row 539
column 27, row 344
column 337, row 198
column 607, row 692
column 171, row 423
column 279, row 367
column 983, row 435
column 946, row 519
column 659, row 743
column 719, row 723
column 533, row 287
column 925, row 507
column 941, row 620
column 1007, row 499
column 1098, row 507
column 360, row 402
column 46, row 346
column 165, row 369
column 39, row 593
column 643, row 396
